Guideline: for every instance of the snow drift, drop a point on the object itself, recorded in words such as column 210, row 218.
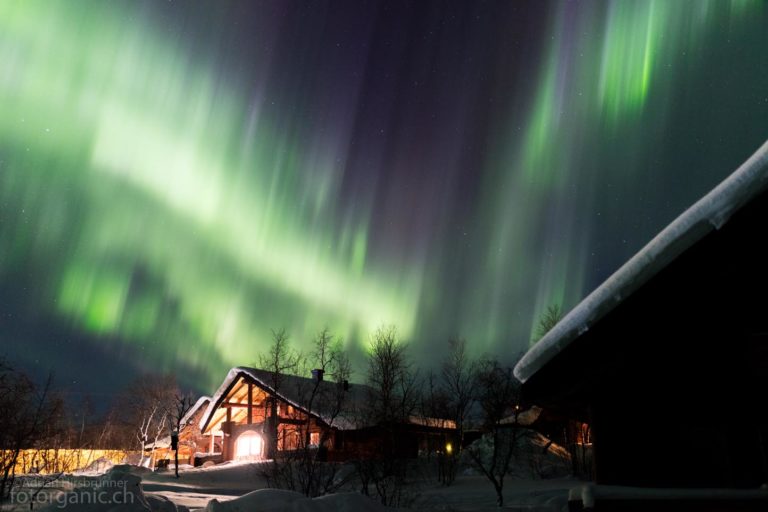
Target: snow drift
column 275, row 500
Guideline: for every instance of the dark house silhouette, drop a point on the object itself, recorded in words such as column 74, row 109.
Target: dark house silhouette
column 668, row 359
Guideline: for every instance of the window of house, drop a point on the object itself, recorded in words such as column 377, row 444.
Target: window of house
column 248, row 444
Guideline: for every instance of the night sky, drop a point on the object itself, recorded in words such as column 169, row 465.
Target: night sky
column 178, row 178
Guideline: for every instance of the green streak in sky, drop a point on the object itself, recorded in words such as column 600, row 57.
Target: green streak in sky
column 627, row 64
column 160, row 202
column 194, row 221
column 602, row 65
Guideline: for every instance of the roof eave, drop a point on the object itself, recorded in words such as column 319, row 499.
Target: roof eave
column 710, row 212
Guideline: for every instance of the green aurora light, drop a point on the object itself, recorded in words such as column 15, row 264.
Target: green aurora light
column 151, row 200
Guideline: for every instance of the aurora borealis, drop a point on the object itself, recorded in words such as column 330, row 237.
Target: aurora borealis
column 178, row 178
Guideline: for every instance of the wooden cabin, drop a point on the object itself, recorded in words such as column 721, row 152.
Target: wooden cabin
column 191, row 441
column 190, row 444
column 667, row 361
column 256, row 415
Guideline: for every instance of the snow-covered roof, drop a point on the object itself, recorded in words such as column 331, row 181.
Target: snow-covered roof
column 162, row 442
column 709, row 213
column 525, row 418
column 202, row 401
column 294, row 390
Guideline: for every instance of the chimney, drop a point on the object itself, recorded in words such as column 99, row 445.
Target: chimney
column 317, row 374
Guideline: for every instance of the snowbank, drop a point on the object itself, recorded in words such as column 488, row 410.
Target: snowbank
column 534, row 456
column 275, row 500
column 97, row 467
column 117, row 490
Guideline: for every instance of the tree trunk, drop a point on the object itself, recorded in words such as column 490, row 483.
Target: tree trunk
column 176, row 457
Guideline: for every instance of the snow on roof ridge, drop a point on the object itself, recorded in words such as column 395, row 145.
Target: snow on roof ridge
column 231, row 375
column 257, row 375
column 193, row 410
column 223, row 388
column 710, row 212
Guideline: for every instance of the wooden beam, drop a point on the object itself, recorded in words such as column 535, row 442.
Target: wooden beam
column 225, row 405
column 291, row 421
column 237, row 388
column 239, row 416
column 250, row 403
column 216, row 419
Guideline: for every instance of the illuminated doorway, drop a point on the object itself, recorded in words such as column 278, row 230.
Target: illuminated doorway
column 249, row 445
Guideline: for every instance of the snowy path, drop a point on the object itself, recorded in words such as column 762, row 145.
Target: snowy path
column 196, row 487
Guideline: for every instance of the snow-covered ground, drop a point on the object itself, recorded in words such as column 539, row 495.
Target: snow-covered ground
column 468, row 493
column 197, row 486
column 239, row 488
column 474, row 493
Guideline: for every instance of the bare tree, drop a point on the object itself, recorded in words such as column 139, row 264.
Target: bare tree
column 548, row 320
column 498, row 393
column 181, row 405
column 116, row 431
column 25, row 413
column 331, row 401
column 305, row 469
column 434, row 405
column 459, row 378
column 151, row 398
column 392, row 400
column 58, row 449
column 434, row 400
column 391, row 378
column 329, row 358
column 280, row 360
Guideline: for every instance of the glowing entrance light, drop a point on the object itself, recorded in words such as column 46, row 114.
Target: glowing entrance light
column 249, row 444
